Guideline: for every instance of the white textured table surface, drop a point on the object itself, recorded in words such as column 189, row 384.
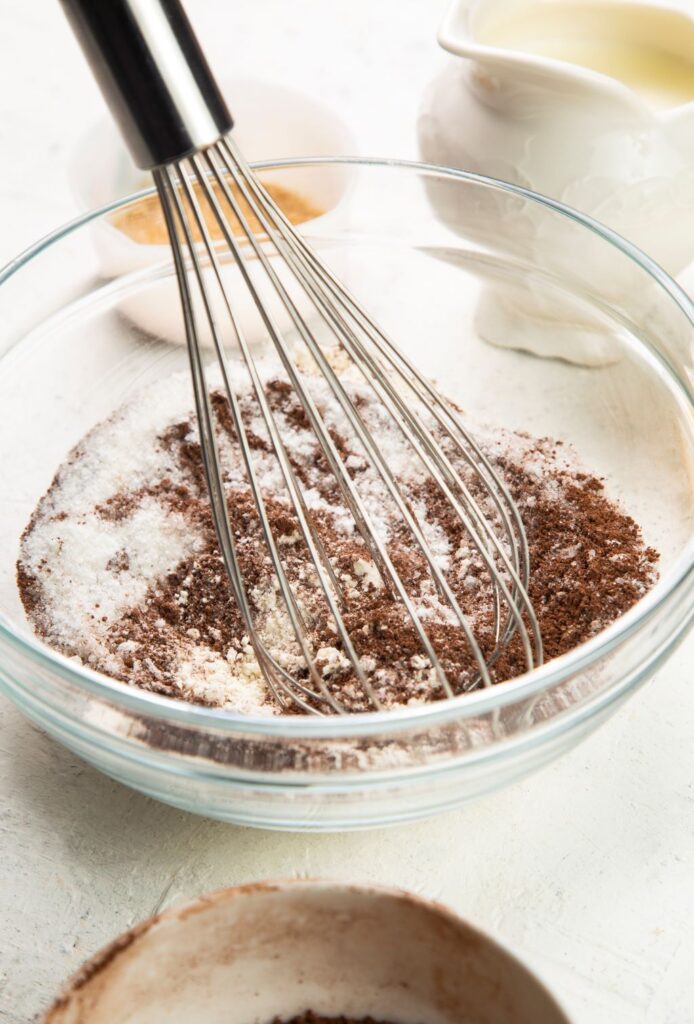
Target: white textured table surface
column 587, row 869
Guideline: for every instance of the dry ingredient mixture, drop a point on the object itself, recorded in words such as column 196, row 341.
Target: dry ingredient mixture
column 144, row 220
column 119, row 565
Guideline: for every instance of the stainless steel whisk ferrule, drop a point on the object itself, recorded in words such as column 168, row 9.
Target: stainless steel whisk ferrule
column 153, row 75
column 162, row 93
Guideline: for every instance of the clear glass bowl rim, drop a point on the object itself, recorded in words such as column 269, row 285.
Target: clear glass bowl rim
column 479, row 702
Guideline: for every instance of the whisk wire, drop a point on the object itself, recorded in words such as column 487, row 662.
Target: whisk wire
column 413, row 377
column 329, row 583
column 417, row 435
column 381, row 364
column 357, row 508
column 281, row 682
column 519, row 570
column 364, row 436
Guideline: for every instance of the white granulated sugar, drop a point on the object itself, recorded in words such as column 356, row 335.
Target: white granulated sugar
column 82, row 594
column 102, row 471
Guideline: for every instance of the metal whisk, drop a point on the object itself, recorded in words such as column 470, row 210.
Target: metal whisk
column 176, row 123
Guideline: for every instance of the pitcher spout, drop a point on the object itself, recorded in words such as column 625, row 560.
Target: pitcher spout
column 630, row 53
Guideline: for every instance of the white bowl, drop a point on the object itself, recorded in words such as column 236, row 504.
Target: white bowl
column 250, row 954
column 270, row 121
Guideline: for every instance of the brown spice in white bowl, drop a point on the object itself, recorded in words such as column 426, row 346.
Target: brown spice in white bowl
column 144, row 221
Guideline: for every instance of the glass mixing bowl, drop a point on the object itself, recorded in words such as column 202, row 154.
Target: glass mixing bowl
column 443, row 259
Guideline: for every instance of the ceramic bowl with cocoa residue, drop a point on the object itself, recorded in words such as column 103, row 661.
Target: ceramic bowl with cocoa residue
column 251, row 954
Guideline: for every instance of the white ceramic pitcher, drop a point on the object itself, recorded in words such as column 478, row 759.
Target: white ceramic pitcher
column 567, row 130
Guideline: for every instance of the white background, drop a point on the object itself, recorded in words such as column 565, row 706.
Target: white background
column 586, row 869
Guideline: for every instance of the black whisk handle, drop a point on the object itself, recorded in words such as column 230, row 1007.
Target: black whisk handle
column 153, row 74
